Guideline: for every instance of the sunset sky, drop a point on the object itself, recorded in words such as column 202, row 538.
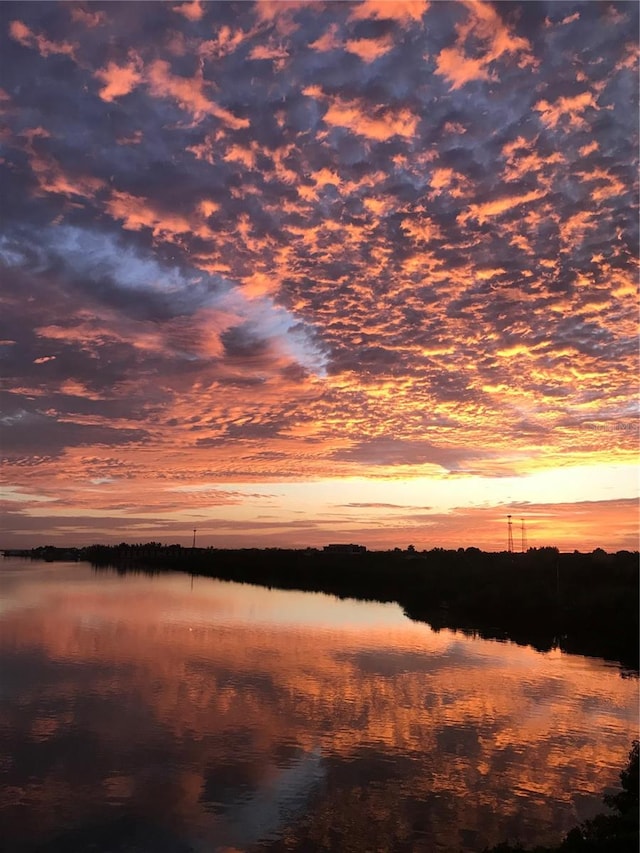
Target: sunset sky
column 296, row 273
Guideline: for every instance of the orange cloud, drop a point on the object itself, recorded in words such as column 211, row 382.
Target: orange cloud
column 454, row 127
column 193, row 11
column 370, row 49
column 524, row 161
column 404, row 11
column 609, row 185
column 460, row 69
column 137, row 213
column 260, row 284
column 358, row 118
column 269, row 51
column 23, row 35
column 566, row 110
column 188, row 92
column 486, row 210
column 573, row 229
column 329, row 40
column 485, row 26
column 281, row 15
column 589, row 148
column 225, row 42
column 119, row 80
column 208, row 207
column 522, row 243
column 198, row 335
column 89, row 19
column 378, row 206
column 50, row 175
column 569, row 19
column 422, row 229
column 455, row 184
column 238, row 154
column 629, row 58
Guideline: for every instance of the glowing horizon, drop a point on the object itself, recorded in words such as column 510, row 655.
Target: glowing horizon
column 293, row 273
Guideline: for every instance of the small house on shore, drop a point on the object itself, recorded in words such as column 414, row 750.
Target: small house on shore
column 344, row 549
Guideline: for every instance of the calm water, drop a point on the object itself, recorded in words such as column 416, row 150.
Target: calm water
column 171, row 714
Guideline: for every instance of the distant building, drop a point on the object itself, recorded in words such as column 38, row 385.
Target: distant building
column 344, row 549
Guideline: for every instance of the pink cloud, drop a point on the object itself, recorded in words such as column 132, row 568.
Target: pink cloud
column 193, row 11
column 119, row 80
column 404, row 11
column 566, row 110
column 21, row 33
column 89, row 19
column 370, row 49
column 485, row 34
column 189, row 93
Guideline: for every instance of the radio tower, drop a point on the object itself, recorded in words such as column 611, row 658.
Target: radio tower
column 510, row 535
column 523, row 533
column 194, row 538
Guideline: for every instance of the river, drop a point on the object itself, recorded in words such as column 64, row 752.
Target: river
column 169, row 714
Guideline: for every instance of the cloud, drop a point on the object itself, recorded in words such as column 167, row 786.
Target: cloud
column 21, row 33
column 391, row 451
column 496, row 207
column 568, row 110
column 404, row 11
column 193, row 11
column 88, row 18
column 355, row 116
column 189, row 94
column 492, row 40
column 119, row 80
column 379, row 506
column 370, row 49
column 27, row 432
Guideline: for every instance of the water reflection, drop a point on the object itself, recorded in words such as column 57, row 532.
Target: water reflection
column 160, row 714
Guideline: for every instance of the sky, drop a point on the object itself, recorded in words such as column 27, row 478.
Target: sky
column 294, row 273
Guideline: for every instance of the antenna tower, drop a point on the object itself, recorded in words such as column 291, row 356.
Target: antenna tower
column 509, row 534
column 523, row 532
column 193, row 544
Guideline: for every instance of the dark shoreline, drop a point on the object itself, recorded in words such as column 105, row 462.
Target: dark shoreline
column 583, row 604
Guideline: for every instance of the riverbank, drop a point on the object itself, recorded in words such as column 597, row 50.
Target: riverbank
column 580, row 603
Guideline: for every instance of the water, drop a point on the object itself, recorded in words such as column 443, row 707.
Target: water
column 176, row 714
